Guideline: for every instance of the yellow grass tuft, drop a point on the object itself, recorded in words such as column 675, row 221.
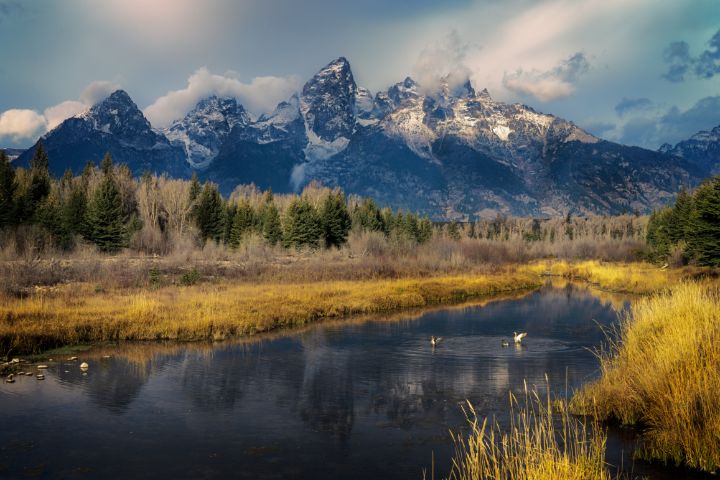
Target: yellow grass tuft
column 544, row 442
column 663, row 373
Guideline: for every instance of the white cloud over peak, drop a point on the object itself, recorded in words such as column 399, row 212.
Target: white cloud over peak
column 23, row 124
column 445, row 60
column 97, row 91
column 56, row 114
column 261, row 95
column 558, row 82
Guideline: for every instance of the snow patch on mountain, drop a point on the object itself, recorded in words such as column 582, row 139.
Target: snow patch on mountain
column 502, row 131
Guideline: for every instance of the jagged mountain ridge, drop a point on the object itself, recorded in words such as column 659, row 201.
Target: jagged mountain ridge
column 703, row 149
column 449, row 152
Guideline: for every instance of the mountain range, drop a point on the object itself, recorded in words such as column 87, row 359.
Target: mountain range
column 702, row 149
column 448, row 151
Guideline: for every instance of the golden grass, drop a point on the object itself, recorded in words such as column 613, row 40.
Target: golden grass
column 634, row 277
column 76, row 313
column 663, row 373
column 544, row 442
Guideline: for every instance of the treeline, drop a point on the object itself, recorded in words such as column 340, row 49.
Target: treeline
column 689, row 230
column 112, row 210
column 555, row 229
column 106, row 207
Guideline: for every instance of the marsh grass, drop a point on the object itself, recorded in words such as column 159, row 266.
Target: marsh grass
column 78, row 313
column 632, row 277
column 662, row 372
column 543, row 442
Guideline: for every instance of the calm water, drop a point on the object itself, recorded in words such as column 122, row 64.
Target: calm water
column 358, row 400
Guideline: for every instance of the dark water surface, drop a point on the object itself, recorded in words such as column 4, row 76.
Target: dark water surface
column 367, row 399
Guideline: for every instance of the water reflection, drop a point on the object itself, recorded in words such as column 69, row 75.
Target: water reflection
column 369, row 398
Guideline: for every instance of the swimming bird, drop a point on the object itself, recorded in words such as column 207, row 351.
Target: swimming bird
column 504, row 343
column 519, row 336
column 434, row 341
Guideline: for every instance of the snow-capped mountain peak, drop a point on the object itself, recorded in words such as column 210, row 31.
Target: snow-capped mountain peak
column 118, row 115
column 327, row 105
column 204, row 129
column 703, row 149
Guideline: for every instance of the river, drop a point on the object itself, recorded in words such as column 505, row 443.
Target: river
column 367, row 398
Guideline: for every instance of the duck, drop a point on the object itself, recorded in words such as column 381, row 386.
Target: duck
column 504, row 343
column 519, row 336
column 434, row 341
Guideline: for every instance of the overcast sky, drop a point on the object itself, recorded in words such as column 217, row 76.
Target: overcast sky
column 641, row 72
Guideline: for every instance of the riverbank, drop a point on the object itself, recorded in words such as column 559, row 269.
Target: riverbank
column 216, row 307
column 662, row 373
column 80, row 313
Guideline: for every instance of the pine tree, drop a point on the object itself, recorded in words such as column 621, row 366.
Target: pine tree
column 75, row 207
column 335, row 219
column 49, row 215
column 210, row 214
column 388, row 220
column 271, row 226
column 228, row 216
column 658, row 234
column 302, row 225
column 453, row 231
column 410, row 226
column 704, row 225
column 425, row 230
column 39, row 187
column 367, row 216
column 104, row 215
column 242, row 223
column 8, row 186
column 680, row 217
column 195, row 188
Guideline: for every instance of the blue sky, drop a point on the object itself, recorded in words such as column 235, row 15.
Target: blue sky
column 641, row 72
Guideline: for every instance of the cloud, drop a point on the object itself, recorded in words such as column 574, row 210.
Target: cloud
column 683, row 65
column 444, row 61
column 23, row 124
column 598, row 128
column 97, row 91
column 558, row 82
column 261, row 95
column 20, row 124
column 671, row 125
column 627, row 105
column 56, row 114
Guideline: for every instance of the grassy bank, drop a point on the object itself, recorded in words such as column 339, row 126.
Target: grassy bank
column 543, row 442
column 663, row 374
column 632, row 277
column 79, row 313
